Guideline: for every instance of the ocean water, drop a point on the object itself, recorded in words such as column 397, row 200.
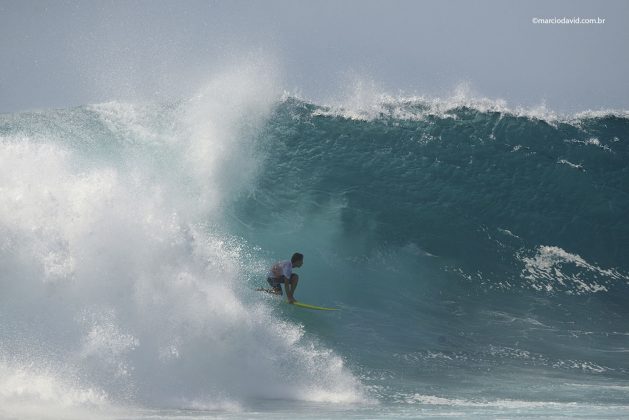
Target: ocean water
column 477, row 253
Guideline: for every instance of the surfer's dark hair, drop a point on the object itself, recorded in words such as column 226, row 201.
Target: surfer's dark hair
column 297, row 257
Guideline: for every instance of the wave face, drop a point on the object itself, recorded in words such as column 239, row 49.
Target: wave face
column 471, row 249
column 515, row 202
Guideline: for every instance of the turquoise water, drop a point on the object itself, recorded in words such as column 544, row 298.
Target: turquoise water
column 477, row 254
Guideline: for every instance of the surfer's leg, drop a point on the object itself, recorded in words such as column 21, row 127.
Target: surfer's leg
column 294, row 279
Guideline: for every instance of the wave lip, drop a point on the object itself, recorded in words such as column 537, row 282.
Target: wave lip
column 367, row 105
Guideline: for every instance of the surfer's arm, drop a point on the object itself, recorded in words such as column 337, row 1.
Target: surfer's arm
column 290, row 286
column 289, row 291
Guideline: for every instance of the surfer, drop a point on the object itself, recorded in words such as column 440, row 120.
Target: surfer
column 282, row 273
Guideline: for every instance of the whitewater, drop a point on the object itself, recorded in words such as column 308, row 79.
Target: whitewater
column 477, row 253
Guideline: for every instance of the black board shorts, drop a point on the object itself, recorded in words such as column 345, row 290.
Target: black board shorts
column 275, row 282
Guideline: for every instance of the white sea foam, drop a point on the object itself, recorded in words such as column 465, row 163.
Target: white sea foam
column 593, row 141
column 552, row 268
column 570, row 164
column 31, row 391
column 503, row 406
column 460, row 402
column 129, row 122
column 363, row 100
column 132, row 282
column 26, row 383
column 601, row 113
column 508, row 233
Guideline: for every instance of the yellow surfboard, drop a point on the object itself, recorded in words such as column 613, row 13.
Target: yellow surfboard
column 300, row 304
column 318, row 308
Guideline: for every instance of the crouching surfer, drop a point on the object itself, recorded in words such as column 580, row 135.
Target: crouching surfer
column 282, row 273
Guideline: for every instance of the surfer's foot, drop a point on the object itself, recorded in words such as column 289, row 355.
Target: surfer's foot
column 292, row 300
column 271, row 291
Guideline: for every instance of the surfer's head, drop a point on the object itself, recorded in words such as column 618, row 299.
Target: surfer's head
column 297, row 259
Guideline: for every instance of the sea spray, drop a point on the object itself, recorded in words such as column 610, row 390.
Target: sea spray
column 117, row 273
